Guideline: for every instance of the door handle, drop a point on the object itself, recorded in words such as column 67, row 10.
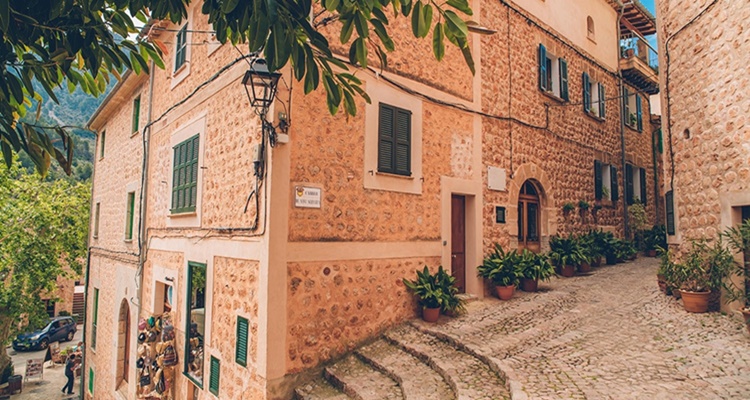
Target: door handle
column 453, row 255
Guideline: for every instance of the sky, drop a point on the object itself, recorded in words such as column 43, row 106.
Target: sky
column 650, row 5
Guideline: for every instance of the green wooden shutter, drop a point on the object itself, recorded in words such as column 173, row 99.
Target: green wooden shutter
column 669, row 200
column 185, row 175
column 386, row 140
column 660, row 140
column 597, row 179
column 136, row 114
column 180, row 48
column 629, row 198
column 242, row 341
column 213, row 383
column 402, row 156
column 643, row 185
column 613, row 177
column 130, row 216
column 91, row 380
column 626, row 105
column 564, row 80
column 544, row 84
column 586, row 93
column 639, row 112
column 96, row 318
column 602, row 103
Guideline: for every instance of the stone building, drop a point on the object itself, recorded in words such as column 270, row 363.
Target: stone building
column 276, row 266
column 704, row 117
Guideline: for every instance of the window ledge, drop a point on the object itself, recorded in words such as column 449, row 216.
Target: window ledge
column 183, row 214
column 594, row 116
column 633, row 128
column 178, row 71
column 397, row 176
column 128, row 240
column 553, row 96
column 135, row 133
column 606, row 203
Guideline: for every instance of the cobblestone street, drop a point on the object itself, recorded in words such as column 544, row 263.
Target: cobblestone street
column 610, row 335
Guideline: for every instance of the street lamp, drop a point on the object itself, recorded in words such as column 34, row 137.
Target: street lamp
column 263, row 84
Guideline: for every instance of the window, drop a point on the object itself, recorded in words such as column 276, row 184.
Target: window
column 195, row 329
column 102, row 139
column 593, row 97
column 96, row 220
column 136, row 114
column 635, row 181
column 553, row 74
column 91, row 380
column 633, row 112
column 669, row 200
column 95, row 319
column 180, row 48
column 590, row 31
column 129, row 216
column 605, row 182
column 185, row 176
column 242, row 341
column 394, row 140
column 213, row 384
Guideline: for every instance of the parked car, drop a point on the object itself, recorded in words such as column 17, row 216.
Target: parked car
column 59, row 329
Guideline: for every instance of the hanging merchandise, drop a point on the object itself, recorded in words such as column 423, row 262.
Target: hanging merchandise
column 157, row 358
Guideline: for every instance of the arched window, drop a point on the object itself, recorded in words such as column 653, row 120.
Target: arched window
column 590, row 27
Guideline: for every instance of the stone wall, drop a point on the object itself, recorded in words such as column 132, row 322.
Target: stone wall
column 705, row 107
column 334, row 306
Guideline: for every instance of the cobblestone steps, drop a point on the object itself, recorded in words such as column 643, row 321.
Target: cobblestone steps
column 360, row 381
column 417, row 379
column 319, row 389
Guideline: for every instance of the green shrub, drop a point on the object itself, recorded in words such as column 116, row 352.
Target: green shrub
column 501, row 268
column 436, row 291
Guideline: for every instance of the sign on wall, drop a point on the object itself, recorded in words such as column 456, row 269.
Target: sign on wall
column 307, row 197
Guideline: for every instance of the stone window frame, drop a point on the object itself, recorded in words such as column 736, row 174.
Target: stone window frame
column 553, row 73
column 180, row 73
column 595, row 105
column 633, row 101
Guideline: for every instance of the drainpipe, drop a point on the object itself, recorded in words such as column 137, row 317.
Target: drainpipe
column 656, row 171
column 85, row 311
column 622, row 124
column 144, row 191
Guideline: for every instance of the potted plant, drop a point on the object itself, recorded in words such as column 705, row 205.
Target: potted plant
column 565, row 253
column 598, row 242
column 738, row 239
column 586, row 244
column 633, row 119
column 704, row 270
column 534, row 267
column 568, row 207
column 502, row 269
column 436, row 293
column 610, row 246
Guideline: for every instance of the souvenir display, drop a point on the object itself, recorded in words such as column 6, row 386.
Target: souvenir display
column 157, row 358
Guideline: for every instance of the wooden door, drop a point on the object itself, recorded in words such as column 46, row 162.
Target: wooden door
column 126, row 358
column 458, row 241
column 529, row 218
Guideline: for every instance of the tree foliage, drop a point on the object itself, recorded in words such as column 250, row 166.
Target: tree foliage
column 43, row 231
column 79, row 43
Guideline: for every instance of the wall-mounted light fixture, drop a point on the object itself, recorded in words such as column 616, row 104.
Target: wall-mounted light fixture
column 262, row 83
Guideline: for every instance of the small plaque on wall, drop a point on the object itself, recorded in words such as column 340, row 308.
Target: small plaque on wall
column 500, row 215
column 307, row 197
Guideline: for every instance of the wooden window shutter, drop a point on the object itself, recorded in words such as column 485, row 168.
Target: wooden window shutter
column 643, row 185
column 598, row 180
column 626, row 105
column 402, row 159
column 669, row 200
column 586, row 93
column 564, row 80
column 242, row 341
column 185, row 175
column 91, row 380
column 136, row 114
column 544, row 84
column 213, row 383
column 639, row 112
column 602, row 103
column 629, row 198
column 386, row 139
column 180, row 48
column 613, row 176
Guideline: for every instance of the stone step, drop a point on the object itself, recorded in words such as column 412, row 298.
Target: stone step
column 360, row 381
column 319, row 389
column 468, row 376
column 417, row 379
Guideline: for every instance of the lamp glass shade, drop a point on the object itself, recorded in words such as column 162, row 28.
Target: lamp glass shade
column 262, row 82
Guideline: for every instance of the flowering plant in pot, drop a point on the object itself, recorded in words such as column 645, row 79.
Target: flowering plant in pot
column 566, row 254
column 502, row 269
column 436, row 292
column 534, row 267
column 738, row 239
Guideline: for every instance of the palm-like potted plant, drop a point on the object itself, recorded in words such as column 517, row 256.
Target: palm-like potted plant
column 502, row 269
column 588, row 250
column 738, row 239
column 566, row 254
column 436, row 293
column 703, row 271
column 598, row 240
column 534, row 267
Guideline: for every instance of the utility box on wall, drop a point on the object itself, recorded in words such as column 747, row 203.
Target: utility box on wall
column 496, row 178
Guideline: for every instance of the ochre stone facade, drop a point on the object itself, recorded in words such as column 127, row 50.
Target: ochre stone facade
column 316, row 282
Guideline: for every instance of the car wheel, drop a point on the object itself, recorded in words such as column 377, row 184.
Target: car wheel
column 43, row 344
column 69, row 337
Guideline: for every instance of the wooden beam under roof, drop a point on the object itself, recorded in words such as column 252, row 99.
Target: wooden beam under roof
column 636, row 18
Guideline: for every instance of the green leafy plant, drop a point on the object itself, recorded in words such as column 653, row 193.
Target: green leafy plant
column 738, row 239
column 500, row 267
column 568, row 207
column 583, row 205
column 704, row 267
column 436, row 291
column 565, row 251
column 535, row 266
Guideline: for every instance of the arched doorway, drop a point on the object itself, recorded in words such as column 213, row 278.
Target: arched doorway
column 529, row 216
column 123, row 345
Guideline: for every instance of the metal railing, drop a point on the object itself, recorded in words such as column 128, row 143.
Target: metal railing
column 637, row 46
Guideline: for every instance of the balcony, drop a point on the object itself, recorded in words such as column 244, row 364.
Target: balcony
column 639, row 63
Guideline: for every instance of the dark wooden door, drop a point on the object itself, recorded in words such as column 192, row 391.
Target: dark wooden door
column 458, row 241
column 126, row 358
column 528, row 218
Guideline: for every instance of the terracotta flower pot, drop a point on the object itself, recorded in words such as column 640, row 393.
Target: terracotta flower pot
column 611, row 260
column 695, row 302
column 585, row 268
column 676, row 293
column 568, row 271
column 596, row 262
column 430, row 314
column 651, row 253
column 505, row 292
column 529, row 285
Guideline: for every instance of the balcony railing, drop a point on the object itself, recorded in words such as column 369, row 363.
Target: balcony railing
column 640, row 48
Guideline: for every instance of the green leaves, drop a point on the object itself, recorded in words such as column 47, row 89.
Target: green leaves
column 438, row 45
column 421, row 19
